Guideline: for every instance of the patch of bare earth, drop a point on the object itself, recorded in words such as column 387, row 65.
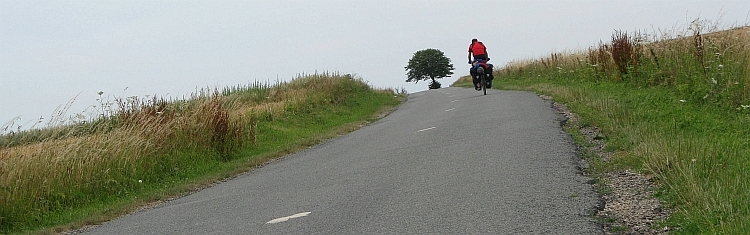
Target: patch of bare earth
column 629, row 206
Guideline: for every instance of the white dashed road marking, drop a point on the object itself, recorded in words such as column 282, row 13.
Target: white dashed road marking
column 427, row 129
column 450, row 109
column 282, row 219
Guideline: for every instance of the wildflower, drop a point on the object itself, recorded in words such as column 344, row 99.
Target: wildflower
column 721, row 66
column 713, row 80
column 693, row 160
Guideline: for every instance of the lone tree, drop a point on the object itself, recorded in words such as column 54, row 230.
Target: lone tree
column 428, row 64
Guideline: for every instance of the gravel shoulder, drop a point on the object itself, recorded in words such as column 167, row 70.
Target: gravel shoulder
column 629, row 206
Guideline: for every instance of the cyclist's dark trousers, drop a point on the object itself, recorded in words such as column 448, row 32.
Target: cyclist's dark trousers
column 482, row 57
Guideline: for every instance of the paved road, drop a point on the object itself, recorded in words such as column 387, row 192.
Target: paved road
column 448, row 161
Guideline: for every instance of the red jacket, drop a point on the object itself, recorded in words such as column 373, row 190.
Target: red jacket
column 478, row 48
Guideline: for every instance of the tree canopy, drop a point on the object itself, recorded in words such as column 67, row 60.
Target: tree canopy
column 428, row 64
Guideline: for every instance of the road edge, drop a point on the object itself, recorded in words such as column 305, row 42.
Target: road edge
column 627, row 204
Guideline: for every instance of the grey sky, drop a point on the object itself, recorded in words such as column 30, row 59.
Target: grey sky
column 51, row 51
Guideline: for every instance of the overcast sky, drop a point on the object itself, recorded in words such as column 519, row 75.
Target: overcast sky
column 52, row 51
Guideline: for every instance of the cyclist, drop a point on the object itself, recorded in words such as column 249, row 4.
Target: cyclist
column 479, row 51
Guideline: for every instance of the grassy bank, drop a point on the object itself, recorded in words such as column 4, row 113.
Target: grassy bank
column 150, row 149
column 675, row 108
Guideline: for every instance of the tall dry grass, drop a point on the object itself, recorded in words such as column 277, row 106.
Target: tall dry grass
column 144, row 141
column 705, row 66
column 67, row 171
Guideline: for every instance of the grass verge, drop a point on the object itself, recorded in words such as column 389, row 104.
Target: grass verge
column 675, row 109
column 67, row 177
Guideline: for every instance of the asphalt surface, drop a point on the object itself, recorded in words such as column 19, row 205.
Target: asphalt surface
column 448, row 161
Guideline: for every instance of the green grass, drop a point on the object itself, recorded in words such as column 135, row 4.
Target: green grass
column 683, row 119
column 697, row 152
column 202, row 140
